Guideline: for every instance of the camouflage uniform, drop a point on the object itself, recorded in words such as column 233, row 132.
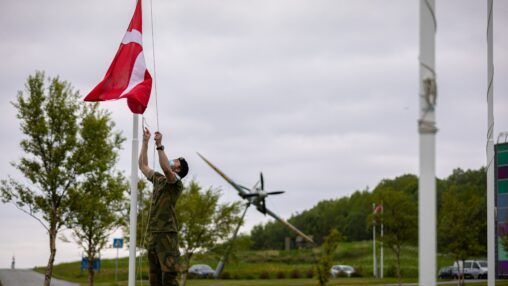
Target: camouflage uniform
column 162, row 239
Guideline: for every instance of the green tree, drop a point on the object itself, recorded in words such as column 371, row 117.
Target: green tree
column 144, row 199
column 52, row 161
column 98, row 199
column 203, row 221
column 400, row 220
column 325, row 260
column 459, row 224
column 467, row 183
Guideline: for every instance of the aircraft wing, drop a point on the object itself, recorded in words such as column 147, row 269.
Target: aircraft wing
column 290, row 226
column 241, row 189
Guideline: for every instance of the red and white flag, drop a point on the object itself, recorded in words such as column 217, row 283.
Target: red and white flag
column 378, row 209
column 127, row 77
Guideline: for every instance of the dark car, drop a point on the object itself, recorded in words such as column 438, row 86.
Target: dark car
column 201, row 270
column 449, row 272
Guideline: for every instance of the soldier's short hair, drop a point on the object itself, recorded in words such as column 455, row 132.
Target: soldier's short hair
column 184, row 168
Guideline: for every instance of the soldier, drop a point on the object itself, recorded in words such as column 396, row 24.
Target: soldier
column 162, row 238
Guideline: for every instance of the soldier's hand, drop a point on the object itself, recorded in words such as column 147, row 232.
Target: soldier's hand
column 146, row 135
column 158, row 138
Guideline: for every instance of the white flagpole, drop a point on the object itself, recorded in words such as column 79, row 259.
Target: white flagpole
column 382, row 235
column 374, row 258
column 427, row 130
column 134, row 202
column 490, row 149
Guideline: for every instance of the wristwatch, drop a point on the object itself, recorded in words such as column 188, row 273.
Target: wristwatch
column 161, row 147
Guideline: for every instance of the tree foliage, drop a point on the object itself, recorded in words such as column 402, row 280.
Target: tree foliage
column 60, row 163
column 460, row 224
column 399, row 217
column 325, row 260
column 48, row 118
column 349, row 214
column 97, row 200
column 204, row 222
column 143, row 209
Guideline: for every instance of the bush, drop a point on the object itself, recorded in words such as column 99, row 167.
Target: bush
column 281, row 275
column 341, row 274
column 225, row 275
column 391, row 271
column 249, row 277
column 309, row 273
column 295, row 274
column 264, row 275
column 359, row 272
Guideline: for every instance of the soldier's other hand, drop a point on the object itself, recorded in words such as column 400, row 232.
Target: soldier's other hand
column 158, row 138
column 146, row 135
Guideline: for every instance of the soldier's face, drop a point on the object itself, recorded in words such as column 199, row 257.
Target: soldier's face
column 175, row 165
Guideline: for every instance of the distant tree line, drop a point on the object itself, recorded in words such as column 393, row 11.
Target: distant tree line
column 460, row 198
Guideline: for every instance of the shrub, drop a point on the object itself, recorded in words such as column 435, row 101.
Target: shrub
column 359, row 272
column 391, row 271
column 264, row 275
column 309, row 273
column 191, row 276
column 295, row 274
column 225, row 275
column 341, row 274
column 249, row 277
column 281, row 275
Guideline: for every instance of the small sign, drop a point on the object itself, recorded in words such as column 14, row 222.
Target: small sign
column 96, row 264
column 117, row 242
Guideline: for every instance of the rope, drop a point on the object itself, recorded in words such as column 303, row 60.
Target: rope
column 429, row 88
column 140, row 261
column 432, row 13
column 154, row 67
column 144, row 123
column 490, row 130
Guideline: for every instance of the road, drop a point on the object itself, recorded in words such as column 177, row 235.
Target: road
column 27, row 277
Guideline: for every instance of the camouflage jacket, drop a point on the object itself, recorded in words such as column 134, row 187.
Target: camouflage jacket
column 163, row 208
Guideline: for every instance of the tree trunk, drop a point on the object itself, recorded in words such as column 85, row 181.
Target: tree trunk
column 52, row 253
column 90, row 268
column 462, row 282
column 91, row 257
column 398, row 266
column 188, row 257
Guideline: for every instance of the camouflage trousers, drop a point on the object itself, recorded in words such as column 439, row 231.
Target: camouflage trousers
column 163, row 258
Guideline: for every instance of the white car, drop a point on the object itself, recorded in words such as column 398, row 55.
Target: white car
column 201, row 270
column 473, row 269
column 344, row 270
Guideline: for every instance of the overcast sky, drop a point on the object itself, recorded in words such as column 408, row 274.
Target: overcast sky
column 319, row 95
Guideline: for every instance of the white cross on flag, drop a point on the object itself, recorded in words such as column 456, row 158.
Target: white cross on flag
column 127, row 77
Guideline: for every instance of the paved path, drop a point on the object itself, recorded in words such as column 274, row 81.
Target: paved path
column 26, row 277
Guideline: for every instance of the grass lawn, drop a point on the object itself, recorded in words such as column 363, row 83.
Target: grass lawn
column 299, row 282
column 248, row 267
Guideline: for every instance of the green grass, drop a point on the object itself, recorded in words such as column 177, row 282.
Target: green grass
column 299, row 282
column 247, row 267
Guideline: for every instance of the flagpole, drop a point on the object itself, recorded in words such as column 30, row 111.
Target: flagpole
column 491, row 227
column 427, row 146
column 382, row 235
column 374, row 258
column 134, row 201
